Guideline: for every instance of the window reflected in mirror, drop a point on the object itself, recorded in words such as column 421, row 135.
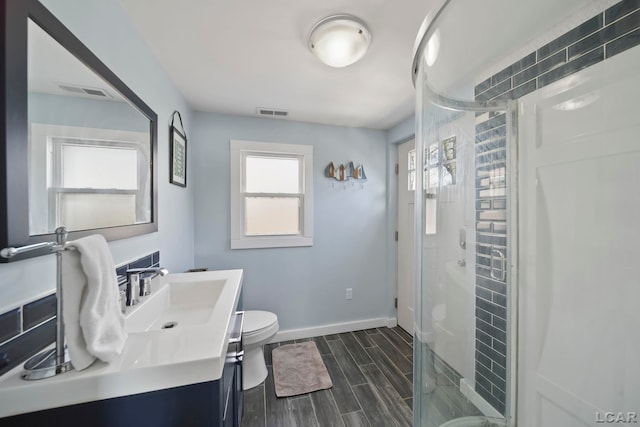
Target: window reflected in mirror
column 84, row 178
column 89, row 148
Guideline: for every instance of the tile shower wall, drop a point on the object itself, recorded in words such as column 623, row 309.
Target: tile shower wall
column 29, row 328
column 491, row 242
column 607, row 34
column 613, row 31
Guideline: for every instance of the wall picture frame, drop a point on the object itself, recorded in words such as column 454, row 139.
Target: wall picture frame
column 178, row 155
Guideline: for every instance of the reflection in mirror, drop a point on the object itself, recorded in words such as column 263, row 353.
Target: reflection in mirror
column 89, row 148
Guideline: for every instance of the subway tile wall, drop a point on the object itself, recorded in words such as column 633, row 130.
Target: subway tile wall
column 609, row 33
column 491, row 245
column 26, row 330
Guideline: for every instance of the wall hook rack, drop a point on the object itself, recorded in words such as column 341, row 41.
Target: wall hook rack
column 345, row 172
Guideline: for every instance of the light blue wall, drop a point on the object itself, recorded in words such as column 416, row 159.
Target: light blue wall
column 305, row 287
column 107, row 31
column 104, row 27
column 402, row 131
column 83, row 112
column 353, row 227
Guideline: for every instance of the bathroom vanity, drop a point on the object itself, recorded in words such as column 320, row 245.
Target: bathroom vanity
column 176, row 368
column 181, row 365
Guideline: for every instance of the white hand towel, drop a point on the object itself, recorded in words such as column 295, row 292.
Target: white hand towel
column 94, row 324
column 73, row 291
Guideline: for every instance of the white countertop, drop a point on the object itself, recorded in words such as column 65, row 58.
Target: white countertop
column 152, row 360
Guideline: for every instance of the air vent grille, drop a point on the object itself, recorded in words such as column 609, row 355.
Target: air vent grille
column 271, row 112
column 73, row 89
column 94, row 92
column 83, row 90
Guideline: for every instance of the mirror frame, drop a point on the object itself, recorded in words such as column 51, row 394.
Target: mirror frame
column 14, row 156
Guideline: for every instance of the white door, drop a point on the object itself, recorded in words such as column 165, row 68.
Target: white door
column 406, row 188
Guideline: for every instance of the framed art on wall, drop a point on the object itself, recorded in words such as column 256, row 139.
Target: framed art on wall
column 178, row 154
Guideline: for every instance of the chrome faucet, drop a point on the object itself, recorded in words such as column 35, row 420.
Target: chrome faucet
column 134, row 290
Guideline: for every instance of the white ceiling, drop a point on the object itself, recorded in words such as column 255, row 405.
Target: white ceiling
column 232, row 56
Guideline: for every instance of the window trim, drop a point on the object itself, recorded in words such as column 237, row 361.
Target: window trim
column 239, row 240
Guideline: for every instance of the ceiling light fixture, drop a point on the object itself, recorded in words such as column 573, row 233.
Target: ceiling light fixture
column 339, row 40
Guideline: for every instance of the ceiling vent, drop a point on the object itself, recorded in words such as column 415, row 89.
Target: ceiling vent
column 270, row 112
column 84, row 90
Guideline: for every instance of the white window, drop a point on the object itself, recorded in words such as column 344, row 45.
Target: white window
column 429, row 182
column 271, row 195
column 85, row 178
column 95, row 184
column 439, row 171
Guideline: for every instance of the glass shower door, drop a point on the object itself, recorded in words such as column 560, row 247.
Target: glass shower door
column 461, row 326
column 565, row 241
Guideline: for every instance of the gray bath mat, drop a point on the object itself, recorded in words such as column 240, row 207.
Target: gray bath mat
column 299, row 369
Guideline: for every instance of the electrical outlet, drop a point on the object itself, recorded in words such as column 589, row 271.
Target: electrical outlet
column 349, row 294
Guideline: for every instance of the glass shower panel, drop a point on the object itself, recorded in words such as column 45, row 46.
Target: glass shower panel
column 538, row 97
column 461, row 332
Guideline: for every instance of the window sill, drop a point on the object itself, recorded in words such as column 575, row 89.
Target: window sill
column 264, row 242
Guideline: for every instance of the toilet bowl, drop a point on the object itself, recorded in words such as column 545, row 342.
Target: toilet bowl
column 258, row 329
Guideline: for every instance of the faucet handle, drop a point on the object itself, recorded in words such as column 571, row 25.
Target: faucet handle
column 136, row 288
column 145, row 287
column 122, row 300
column 133, row 289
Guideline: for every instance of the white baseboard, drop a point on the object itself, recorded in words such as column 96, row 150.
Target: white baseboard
column 479, row 402
column 334, row 328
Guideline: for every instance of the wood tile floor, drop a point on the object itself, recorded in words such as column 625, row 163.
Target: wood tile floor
column 371, row 372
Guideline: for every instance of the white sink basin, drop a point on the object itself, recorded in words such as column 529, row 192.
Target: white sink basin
column 183, row 300
column 193, row 351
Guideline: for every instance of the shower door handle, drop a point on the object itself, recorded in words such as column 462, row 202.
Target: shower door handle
column 502, row 272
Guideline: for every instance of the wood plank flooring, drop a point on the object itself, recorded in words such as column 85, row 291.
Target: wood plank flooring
column 371, row 372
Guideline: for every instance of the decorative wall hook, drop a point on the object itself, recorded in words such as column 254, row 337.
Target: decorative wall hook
column 344, row 173
column 330, row 171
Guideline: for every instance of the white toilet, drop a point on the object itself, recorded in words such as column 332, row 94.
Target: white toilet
column 258, row 329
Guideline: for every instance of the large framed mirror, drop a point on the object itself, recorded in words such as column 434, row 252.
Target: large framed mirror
column 78, row 146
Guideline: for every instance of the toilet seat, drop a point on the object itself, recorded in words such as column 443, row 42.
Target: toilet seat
column 258, row 325
column 257, row 320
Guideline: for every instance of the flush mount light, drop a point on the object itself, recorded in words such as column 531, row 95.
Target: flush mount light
column 339, row 40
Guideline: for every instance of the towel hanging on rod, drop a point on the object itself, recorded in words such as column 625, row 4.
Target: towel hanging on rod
column 94, row 324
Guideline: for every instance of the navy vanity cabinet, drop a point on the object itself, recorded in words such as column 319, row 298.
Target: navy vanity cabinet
column 239, row 402
column 233, row 397
column 232, row 376
column 208, row 404
column 191, row 405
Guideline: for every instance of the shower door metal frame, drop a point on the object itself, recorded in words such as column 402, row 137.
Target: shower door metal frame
column 512, row 255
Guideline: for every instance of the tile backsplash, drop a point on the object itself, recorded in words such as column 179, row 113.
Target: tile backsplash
column 27, row 329
column 10, row 324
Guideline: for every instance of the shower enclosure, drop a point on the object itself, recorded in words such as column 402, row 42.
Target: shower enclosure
column 526, row 228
